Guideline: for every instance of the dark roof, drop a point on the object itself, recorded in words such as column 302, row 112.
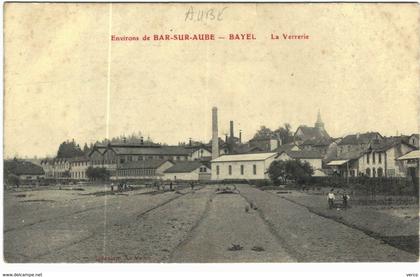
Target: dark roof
column 263, row 138
column 144, row 164
column 198, row 147
column 285, row 147
column 55, row 160
column 387, row 143
column 79, row 159
column 351, row 155
column 185, row 166
column 312, row 132
column 245, row 148
column 303, row 154
column 415, row 135
column 163, row 150
column 323, row 141
column 140, row 149
column 20, row 167
column 359, row 138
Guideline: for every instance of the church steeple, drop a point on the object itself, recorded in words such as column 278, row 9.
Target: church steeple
column 319, row 124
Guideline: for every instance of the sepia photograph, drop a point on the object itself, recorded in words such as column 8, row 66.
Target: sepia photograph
column 211, row 133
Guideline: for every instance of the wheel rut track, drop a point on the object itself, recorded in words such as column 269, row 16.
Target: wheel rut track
column 369, row 233
column 94, row 233
column 54, row 218
column 289, row 248
column 191, row 232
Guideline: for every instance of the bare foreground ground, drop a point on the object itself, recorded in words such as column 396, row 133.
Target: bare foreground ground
column 185, row 226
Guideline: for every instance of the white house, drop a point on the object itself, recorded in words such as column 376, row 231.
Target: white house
column 48, row 167
column 78, row 167
column 314, row 158
column 61, row 168
column 188, row 170
column 379, row 160
column 411, row 162
column 251, row 166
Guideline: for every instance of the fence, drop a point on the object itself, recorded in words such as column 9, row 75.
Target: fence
column 370, row 186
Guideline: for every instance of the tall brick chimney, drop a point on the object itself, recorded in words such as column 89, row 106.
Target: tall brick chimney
column 215, row 135
column 231, row 131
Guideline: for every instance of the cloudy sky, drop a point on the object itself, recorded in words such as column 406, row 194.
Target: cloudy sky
column 65, row 79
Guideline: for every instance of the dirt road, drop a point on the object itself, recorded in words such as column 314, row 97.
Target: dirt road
column 183, row 226
column 226, row 224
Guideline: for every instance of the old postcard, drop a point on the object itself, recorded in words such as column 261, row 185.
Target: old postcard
column 211, row 132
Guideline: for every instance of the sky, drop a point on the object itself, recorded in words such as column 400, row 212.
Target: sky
column 64, row 78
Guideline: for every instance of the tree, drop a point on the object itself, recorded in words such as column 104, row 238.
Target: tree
column 277, row 172
column 134, row 138
column 284, row 133
column 69, row 149
column 263, row 133
column 98, row 173
column 293, row 170
column 86, row 149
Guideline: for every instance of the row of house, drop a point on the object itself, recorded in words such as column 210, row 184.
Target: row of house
column 131, row 161
column 368, row 154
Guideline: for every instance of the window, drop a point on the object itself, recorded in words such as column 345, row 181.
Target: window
column 379, row 159
column 242, row 169
column 230, row 170
column 367, row 159
column 217, row 170
column 254, row 169
column 373, row 157
column 368, row 172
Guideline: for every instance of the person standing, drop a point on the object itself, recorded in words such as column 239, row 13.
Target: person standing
column 331, row 198
column 346, row 197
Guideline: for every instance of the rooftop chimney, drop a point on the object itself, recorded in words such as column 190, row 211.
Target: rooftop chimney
column 215, row 135
column 240, row 136
column 231, row 129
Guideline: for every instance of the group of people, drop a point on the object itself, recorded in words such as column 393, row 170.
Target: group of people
column 331, row 199
column 121, row 187
column 172, row 185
